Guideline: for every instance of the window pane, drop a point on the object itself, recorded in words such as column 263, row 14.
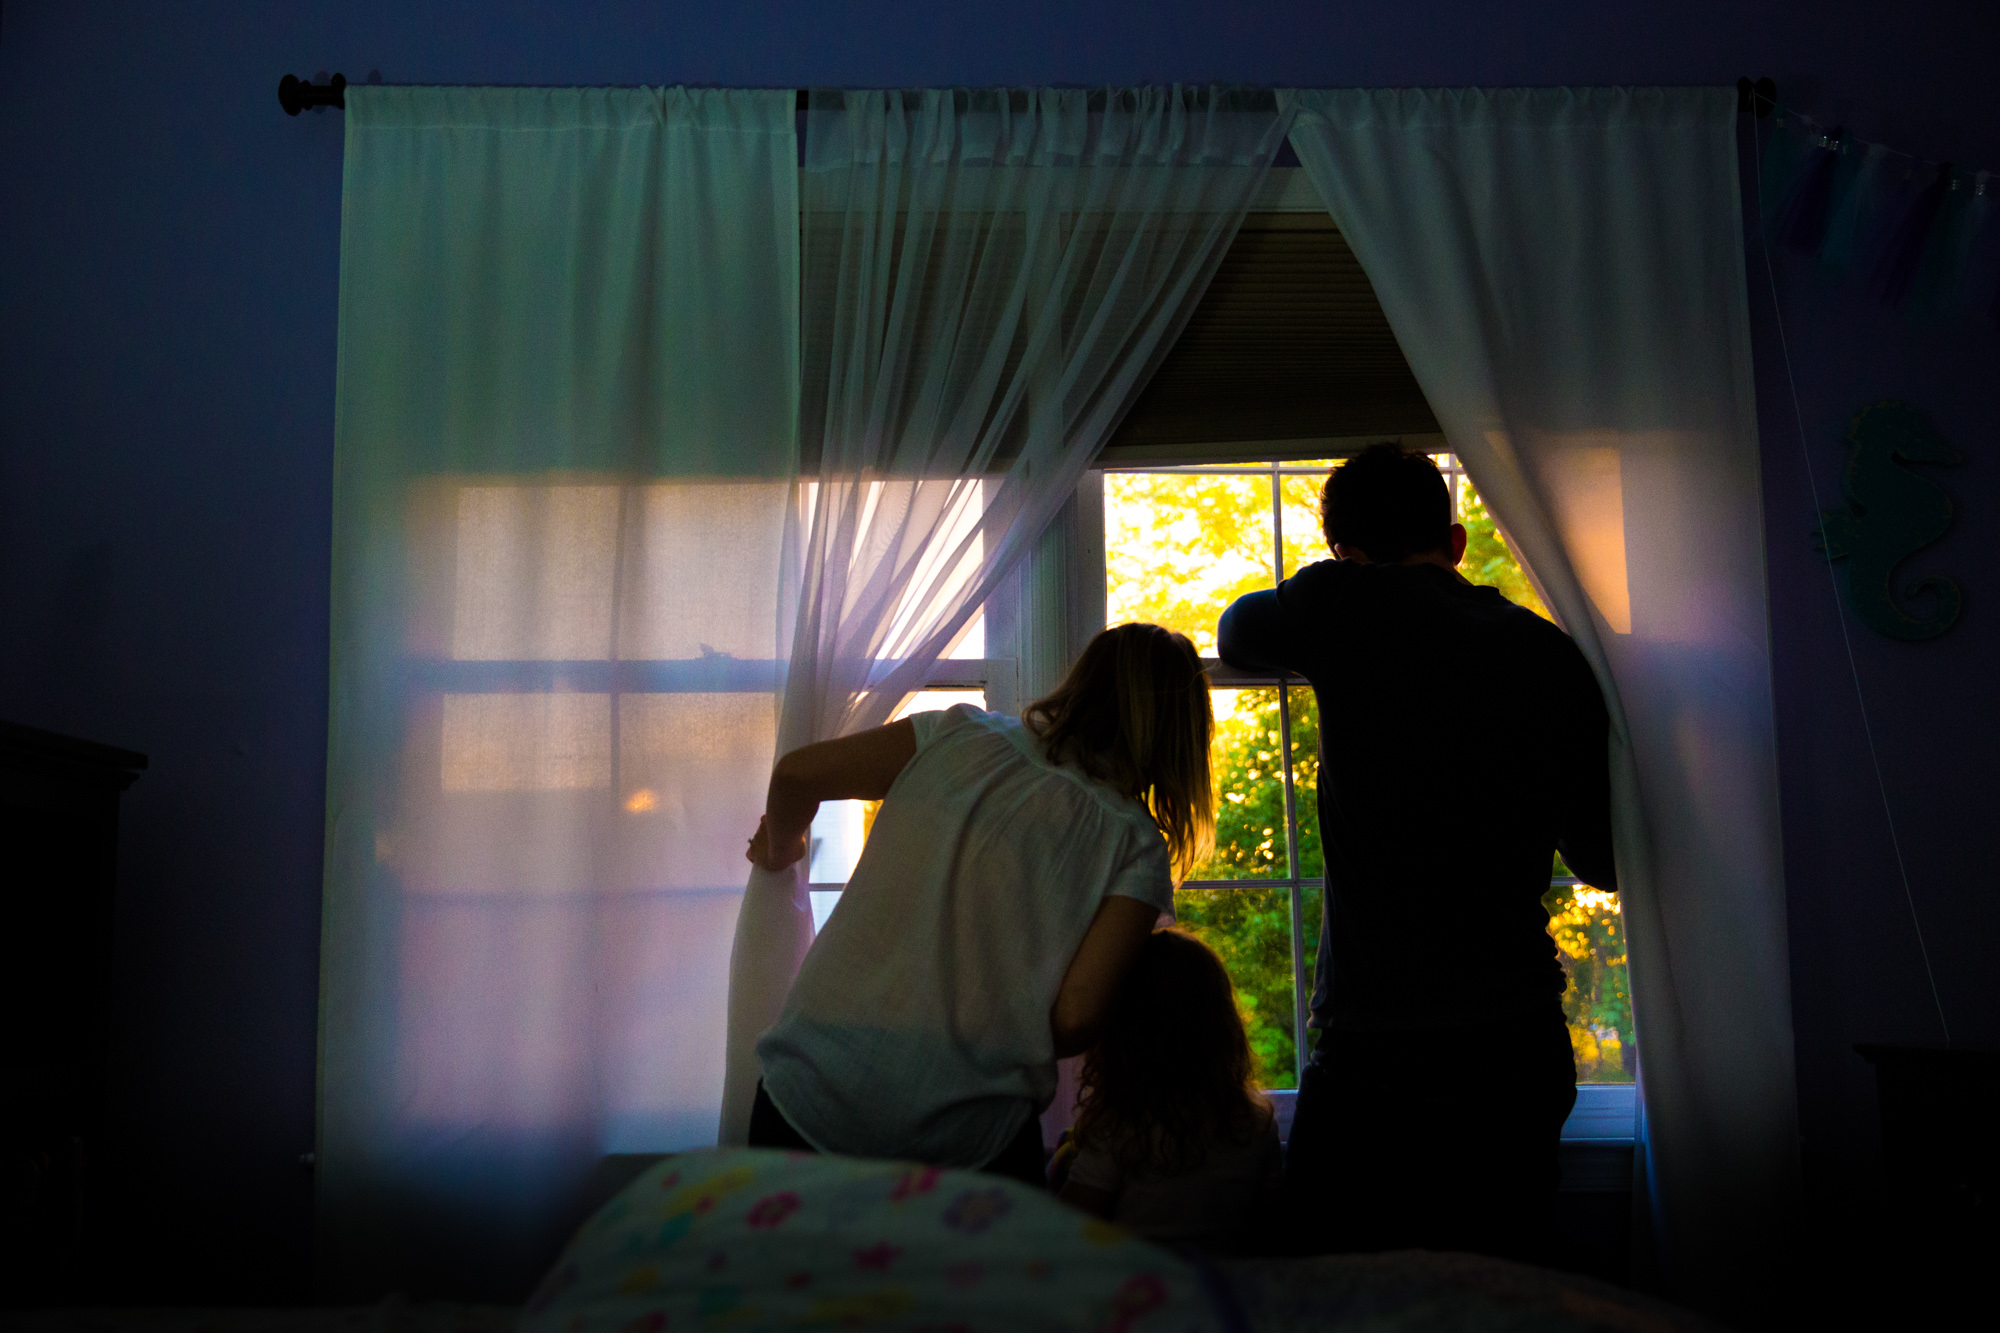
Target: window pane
column 1311, row 911
column 1487, row 559
column 1217, row 465
column 1180, row 548
column 1304, row 541
column 1249, row 779
column 1590, row 941
column 1304, row 705
column 840, row 829
column 933, row 701
column 1252, row 931
column 973, row 644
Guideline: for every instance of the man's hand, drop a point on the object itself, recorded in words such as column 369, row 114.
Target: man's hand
column 768, row 857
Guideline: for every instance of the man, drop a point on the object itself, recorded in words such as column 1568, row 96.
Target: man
column 1462, row 742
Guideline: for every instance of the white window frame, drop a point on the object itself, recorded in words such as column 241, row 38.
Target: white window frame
column 1604, row 1112
column 1054, row 605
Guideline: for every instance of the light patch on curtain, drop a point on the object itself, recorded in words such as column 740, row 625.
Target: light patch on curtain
column 526, row 742
column 534, row 573
column 707, row 554
column 681, row 775
column 1586, row 490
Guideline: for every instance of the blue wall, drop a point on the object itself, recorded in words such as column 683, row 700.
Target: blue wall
column 168, row 261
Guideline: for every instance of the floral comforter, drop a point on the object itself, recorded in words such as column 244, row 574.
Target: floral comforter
column 744, row 1239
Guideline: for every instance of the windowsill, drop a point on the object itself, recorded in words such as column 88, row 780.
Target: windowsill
column 1605, row 1114
column 1221, row 675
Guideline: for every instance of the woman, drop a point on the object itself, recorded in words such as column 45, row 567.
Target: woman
column 1013, row 873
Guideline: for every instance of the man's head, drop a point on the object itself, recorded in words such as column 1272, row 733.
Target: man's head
column 1389, row 505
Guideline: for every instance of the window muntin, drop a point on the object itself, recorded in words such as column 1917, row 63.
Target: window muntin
column 1249, row 925
column 1182, row 542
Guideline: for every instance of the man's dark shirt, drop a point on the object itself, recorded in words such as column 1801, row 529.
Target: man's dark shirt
column 1462, row 741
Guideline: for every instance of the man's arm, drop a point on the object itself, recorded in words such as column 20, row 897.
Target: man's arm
column 1254, row 634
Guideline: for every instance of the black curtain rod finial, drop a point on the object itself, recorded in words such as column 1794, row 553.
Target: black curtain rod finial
column 1759, row 98
column 296, row 94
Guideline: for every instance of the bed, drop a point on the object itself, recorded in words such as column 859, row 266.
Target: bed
column 744, row 1239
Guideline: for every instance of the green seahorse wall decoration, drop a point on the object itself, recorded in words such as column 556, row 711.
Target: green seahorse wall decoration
column 1891, row 514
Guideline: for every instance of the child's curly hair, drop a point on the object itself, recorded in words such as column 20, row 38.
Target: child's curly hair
column 1171, row 1076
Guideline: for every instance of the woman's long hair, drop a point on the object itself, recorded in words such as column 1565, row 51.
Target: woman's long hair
column 1171, row 1076
column 1134, row 714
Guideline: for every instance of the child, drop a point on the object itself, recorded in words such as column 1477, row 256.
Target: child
column 1173, row 1141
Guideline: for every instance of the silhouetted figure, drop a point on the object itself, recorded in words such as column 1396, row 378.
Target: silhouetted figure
column 1462, row 742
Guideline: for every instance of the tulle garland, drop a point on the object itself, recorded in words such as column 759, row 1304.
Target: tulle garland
column 1925, row 235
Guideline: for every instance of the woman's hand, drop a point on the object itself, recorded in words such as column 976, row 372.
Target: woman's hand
column 768, row 857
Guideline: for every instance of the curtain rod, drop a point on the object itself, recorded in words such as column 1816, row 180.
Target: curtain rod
column 296, row 94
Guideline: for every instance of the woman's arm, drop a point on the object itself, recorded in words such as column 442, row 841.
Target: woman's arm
column 860, row 767
column 1109, row 947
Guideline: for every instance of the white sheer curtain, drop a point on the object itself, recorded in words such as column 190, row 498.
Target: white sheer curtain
column 990, row 277
column 1564, row 271
column 565, row 439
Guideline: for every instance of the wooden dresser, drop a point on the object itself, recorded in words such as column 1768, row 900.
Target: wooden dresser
column 58, row 872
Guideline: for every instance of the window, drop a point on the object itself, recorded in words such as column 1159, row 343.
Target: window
column 1181, row 543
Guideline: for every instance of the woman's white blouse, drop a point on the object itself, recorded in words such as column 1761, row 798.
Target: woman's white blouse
column 918, row 1027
